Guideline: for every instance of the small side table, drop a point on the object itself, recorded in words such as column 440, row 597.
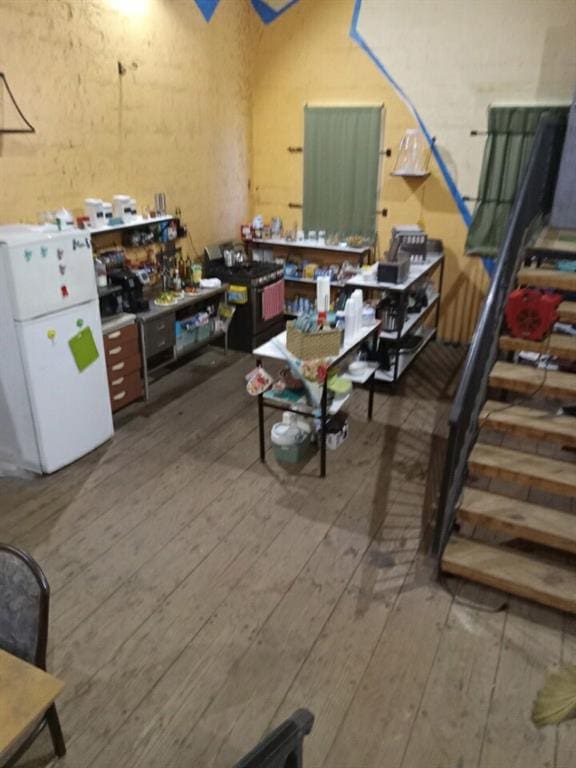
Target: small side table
column 274, row 349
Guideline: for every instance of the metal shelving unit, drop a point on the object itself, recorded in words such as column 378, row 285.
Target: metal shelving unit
column 406, row 324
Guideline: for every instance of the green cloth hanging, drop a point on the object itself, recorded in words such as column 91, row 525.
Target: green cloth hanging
column 511, row 133
column 341, row 161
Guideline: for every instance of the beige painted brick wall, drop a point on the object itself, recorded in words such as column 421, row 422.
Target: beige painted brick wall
column 179, row 120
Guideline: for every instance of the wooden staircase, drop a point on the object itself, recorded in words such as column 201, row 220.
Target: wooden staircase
column 520, row 547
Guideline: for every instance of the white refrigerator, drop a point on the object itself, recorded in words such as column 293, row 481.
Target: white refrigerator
column 54, row 399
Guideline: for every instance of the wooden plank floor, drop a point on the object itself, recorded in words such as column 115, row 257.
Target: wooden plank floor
column 199, row 597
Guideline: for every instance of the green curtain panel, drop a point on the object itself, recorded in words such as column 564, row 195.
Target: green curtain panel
column 510, row 135
column 341, row 160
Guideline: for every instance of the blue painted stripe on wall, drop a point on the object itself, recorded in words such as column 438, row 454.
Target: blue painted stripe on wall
column 268, row 14
column 355, row 35
column 207, row 7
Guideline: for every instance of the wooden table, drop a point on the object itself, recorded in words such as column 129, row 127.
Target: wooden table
column 26, row 692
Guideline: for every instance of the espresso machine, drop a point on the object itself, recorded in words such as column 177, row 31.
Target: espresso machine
column 132, row 291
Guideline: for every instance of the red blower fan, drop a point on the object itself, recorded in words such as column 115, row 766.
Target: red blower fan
column 530, row 314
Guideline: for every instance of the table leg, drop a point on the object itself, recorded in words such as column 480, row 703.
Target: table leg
column 261, row 428
column 323, row 424
column 372, row 380
column 144, row 361
column 371, row 396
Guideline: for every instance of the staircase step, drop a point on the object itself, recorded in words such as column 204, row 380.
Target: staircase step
column 547, row 278
column 524, row 468
column 529, row 380
column 518, row 518
column 529, row 422
column 557, row 344
column 508, row 571
column 567, row 311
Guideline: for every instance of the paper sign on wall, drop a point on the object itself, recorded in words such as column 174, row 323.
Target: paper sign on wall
column 83, row 348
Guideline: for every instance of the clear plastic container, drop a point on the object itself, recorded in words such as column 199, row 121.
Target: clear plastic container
column 411, row 156
column 100, row 272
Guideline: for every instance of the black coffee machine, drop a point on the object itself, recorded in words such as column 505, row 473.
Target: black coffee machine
column 132, row 291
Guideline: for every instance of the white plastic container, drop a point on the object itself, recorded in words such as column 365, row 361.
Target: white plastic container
column 121, row 208
column 94, row 209
column 368, row 315
column 323, row 294
column 290, row 442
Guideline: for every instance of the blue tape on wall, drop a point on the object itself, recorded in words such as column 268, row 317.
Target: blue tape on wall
column 355, row 35
column 269, row 14
column 207, row 7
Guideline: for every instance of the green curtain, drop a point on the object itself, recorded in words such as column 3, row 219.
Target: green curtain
column 510, row 135
column 341, row 160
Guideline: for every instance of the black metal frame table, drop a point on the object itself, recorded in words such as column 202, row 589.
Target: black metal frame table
column 274, row 348
column 169, row 311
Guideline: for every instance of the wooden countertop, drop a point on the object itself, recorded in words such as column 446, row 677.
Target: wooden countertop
column 26, row 692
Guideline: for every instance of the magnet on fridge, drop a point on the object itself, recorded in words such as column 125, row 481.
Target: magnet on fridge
column 62, row 268
column 79, row 323
column 44, row 251
column 51, row 334
column 27, row 255
column 64, row 292
column 60, row 254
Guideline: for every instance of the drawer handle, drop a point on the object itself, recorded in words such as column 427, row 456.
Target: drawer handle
column 118, row 366
column 115, row 351
column 117, row 381
column 114, row 335
column 120, row 395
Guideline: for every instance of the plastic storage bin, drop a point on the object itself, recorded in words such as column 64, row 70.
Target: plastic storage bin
column 291, row 444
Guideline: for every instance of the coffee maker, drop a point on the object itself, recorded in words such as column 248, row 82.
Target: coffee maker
column 132, row 291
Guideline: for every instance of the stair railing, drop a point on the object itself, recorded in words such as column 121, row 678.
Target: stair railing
column 534, row 197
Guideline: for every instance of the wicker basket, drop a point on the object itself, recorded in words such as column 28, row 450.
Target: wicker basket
column 312, row 346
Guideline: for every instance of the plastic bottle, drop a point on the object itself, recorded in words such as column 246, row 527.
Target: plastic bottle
column 349, row 320
column 100, row 271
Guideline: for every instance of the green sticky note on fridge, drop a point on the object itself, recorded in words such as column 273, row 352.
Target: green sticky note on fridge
column 83, row 348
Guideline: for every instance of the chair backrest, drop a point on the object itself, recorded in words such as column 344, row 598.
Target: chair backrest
column 282, row 748
column 24, row 600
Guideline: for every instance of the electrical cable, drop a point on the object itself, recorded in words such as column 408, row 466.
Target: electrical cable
column 193, row 245
column 31, row 128
column 526, row 397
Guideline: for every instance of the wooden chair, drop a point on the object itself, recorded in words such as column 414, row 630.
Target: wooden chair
column 24, row 607
column 282, row 748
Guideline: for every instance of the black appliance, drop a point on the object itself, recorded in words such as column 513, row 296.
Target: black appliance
column 110, row 300
column 248, row 329
column 131, row 288
column 394, row 271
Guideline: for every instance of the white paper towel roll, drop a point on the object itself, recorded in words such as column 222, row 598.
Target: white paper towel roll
column 322, row 294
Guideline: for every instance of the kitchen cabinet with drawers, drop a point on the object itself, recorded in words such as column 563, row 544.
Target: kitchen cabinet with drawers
column 123, row 361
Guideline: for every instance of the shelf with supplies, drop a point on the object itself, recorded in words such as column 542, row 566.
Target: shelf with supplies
column 417, row 272
column 276, row 349
column 312, row 281
column 412, row 320
column 393, row 359
column 140, row 222
column 311, row 245
column 405, row 358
